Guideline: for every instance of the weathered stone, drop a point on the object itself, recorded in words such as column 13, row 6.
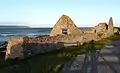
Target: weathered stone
column 100, row 29
column 93, row 30
column 64, row 26
column 23, row 47
column 64, row 33
column 116, row 31
column 103, row 30
column 15, row 48
column 87, row 30
column 110, row 27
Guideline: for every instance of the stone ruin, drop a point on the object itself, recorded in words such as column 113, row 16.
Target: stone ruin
column 64, row 26
column 23, row 47
column 64, row 31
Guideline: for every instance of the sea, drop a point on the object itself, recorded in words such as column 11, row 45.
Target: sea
column 7, row 32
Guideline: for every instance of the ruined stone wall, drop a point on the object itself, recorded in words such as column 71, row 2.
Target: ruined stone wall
column 87, row 31
column 37, row 45
column 64, row 22
column 104, row 30
column 25, row 47
column 22, row 47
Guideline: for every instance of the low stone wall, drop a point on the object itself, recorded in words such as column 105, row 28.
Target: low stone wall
column 31, row 49
column 22, row 47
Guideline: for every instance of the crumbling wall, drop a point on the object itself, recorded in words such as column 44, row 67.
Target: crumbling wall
column 15, row 48
column 64, row 22
column 104, row 30
column 23, row 47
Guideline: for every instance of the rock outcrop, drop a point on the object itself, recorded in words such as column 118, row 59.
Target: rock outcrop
column 64, row 26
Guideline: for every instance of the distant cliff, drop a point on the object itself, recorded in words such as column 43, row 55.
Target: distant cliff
column 7, row 26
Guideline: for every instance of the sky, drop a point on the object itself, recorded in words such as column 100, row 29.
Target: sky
column 45, row 13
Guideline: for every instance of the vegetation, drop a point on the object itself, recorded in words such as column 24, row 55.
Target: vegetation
column 51, row 62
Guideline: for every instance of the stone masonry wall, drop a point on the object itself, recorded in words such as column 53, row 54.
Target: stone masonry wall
column 23, row 47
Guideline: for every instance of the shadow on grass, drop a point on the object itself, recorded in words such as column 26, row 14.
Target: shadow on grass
column 51, row 62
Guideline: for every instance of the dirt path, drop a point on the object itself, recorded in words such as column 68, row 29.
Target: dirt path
column 106, row 60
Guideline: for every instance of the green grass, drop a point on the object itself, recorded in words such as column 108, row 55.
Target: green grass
column 51, row 62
